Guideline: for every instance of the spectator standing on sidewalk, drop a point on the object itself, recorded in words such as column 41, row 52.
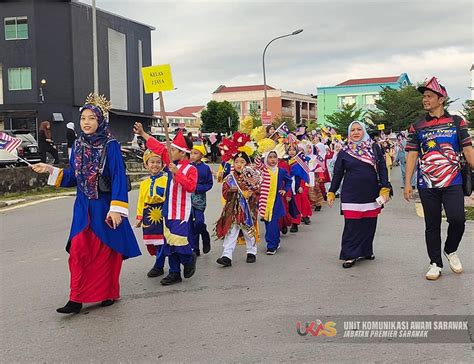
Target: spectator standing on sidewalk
column 45, row 142
column 71, row 136
column 436, row 141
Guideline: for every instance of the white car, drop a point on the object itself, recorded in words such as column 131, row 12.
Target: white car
column 8, row 159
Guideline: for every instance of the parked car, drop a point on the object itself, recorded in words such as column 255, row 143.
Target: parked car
column 28, row 148
column 8, row 160
column 161, row 137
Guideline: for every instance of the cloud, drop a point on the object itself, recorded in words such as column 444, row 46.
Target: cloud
column 210, row 43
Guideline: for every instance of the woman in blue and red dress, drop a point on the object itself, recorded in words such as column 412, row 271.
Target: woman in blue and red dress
column 363, row 168
column 101, row 235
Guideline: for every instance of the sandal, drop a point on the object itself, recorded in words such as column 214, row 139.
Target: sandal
column 348, row 263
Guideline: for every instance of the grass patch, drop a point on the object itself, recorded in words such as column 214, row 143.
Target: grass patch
column 469, row 212
column 47, row 190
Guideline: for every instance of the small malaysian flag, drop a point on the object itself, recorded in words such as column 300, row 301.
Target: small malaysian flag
column 292, row 138
column 299, row 159
column 283, row 130
column 8, row 143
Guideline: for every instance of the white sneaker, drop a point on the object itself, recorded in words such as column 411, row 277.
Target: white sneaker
column 434, row 272
column 454, row 262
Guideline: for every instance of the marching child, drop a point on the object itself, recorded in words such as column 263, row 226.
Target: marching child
column 197, row 226
column 239, row 213
column 275, row 186
column 151, row 199
column 288, row 203
column 299, row 178
column 182, row 180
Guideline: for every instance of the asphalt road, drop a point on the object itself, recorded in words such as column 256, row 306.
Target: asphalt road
column 246, row 313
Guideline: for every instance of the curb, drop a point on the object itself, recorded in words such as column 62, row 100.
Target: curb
column 6, row 205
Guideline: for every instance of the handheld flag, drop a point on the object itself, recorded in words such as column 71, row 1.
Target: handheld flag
column 8, row 143
column 282, row 130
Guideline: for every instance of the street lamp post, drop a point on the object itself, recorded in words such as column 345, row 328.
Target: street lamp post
column 263, row 61
column 41, row 92
column 94, row 49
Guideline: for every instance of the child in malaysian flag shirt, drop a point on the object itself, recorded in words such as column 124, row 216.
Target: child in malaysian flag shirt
column 182, row 181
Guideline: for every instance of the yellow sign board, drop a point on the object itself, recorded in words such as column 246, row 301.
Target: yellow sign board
column 157, row 78
column 381, row 126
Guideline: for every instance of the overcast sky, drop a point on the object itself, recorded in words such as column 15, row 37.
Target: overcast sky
column 216, row 43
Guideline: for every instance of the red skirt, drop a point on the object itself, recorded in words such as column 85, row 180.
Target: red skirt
column 303, row 204
column 306, row 210
column 286, row 220
column 95, row 269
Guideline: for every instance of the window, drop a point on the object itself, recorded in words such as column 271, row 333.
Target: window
column 19, row 78
column 118, row 71
column 345, row 100
column 254, row 105
column 236, row 106
column 16, row 28
column 369, row 101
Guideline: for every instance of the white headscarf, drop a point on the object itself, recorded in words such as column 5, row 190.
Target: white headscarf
column 265, row 160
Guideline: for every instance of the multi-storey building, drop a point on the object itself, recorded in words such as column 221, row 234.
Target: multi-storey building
column 46, row 65
column 361, row 92
column 246, row 99
column 188, row 117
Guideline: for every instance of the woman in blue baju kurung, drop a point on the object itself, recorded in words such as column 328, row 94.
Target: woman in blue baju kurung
column 101, row 235
column 363, row 168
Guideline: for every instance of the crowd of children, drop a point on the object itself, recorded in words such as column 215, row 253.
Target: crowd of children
column 266, row 173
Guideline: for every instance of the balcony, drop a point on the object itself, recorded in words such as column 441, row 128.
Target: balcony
column 287, row 111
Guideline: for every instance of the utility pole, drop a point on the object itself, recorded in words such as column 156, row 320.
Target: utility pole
column 94, row 49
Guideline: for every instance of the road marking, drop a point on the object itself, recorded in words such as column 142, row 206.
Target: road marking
column 32, row 203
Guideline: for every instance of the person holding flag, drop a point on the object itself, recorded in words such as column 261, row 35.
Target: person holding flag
column 239, row 214
column 299, row 172
column 275, row 186
column 182, row 180
column 101, row 236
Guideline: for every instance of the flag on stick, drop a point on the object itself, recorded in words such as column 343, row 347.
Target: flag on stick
column 8, row 143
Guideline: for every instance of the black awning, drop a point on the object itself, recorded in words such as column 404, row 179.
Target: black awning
column 126, row 113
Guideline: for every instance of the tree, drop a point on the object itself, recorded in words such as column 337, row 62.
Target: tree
column 397, row 109
column 290, row 122
column 340, row 120
column 256, row 117
column 312, row 125
column 215, row 117
column 468, row 112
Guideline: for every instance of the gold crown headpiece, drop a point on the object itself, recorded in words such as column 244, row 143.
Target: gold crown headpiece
column 101, row 102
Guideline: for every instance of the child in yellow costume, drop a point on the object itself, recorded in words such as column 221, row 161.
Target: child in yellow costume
column 151, row 199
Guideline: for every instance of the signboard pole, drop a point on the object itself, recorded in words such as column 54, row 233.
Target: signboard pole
column 165, row 123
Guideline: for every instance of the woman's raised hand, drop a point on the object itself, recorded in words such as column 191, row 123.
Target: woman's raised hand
column 42, row 168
